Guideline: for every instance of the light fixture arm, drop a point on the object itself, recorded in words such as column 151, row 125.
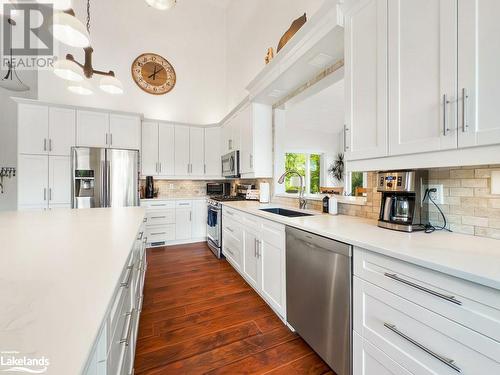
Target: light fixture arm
column 88, row 70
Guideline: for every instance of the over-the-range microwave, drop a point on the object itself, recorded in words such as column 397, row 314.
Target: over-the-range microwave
column 231, row 165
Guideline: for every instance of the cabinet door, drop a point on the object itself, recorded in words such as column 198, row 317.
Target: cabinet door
column 59, row 181
column 246, row 135
column 213, row 137
column 478, row 73
column 196, row 151
column 125, row 132
column 149, row 156
column 272, row 254
column 33, row 129
column 199, row 228
column 32, row 181
column 62, row 131
column 365, row 133
column 422, row 75
column 236, row 132
column 182, row 166
column 226, row 137
column 166, row 149
column 183, row 223
column 92, row 129
column 251, row 261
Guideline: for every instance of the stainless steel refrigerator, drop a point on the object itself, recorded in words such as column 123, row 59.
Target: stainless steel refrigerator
column 104, row 177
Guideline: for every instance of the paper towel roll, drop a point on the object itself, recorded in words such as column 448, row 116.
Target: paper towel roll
column 265, row 192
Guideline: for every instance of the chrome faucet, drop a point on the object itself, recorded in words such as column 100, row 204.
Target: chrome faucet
column 302, row 199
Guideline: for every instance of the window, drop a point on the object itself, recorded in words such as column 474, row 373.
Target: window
column 309, row 166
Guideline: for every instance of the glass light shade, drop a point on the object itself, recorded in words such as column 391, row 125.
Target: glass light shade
column 69, row 30
column 68, row 70
column 161, row 4
column 80, row 88
column 57, row 4
column 111, row 85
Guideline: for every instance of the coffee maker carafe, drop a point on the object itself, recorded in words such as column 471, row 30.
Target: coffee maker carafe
column 402, row 207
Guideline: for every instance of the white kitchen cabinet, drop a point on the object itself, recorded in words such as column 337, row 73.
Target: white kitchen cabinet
column 33, row 175
column 199, row 216
column 251, row 262
column 166, row 149
column 365, row 132
column 478, row 73
column 59, row 194
column 149, row 157
column 62, row 131
column 182, row 165
column 213, row 152
column 92, row 129
column 124, row 131
column 231, row 134
column 196, row 151
column 183, row 220
column 256, row 150
column 422, row 61
column 44, row 130
column 226, row 136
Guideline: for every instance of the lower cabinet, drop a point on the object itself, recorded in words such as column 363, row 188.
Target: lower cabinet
column 255, row 247
column 114, row 350
column 170, row 222
column 408, row 319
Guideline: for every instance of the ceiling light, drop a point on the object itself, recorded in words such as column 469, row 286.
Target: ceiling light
column 80, row 88
column 111, row 85
column 68, row 70
column 161, row 4
column 67, row 29
column 57, row 4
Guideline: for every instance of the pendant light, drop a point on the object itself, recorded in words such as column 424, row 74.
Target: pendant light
column 80, row 88
column 68, row 70
column 58, row 4
column 111, row 85
column 11, row 80
column 162, row 4
column 67, row 29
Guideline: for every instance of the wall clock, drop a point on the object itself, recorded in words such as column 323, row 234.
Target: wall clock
column 153, row 74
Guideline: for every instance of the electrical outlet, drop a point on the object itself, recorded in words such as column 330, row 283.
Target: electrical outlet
column 438, row 195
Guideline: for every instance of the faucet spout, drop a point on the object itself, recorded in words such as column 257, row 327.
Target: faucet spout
column 302, row 199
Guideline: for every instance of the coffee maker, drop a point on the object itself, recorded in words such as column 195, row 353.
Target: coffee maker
column 402, row 206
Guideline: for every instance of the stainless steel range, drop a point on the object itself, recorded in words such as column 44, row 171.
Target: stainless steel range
column 214, row 222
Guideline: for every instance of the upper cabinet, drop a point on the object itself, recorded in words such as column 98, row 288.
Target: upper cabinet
column 182, row 165
column 231, row 134
column 213, row 138
column 422, row 75
column 166, row 145
column 44, row 130
column 101, row 129
column 365, row 132
column 478, row 73
column 157, row 149
column 197, row 151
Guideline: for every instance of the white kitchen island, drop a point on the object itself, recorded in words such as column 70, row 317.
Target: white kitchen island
column 61, row 272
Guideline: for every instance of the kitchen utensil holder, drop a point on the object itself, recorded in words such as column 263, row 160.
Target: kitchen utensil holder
column 6, row 172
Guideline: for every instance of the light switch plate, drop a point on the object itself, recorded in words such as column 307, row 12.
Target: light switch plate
column 438, row 195
column 495, row 182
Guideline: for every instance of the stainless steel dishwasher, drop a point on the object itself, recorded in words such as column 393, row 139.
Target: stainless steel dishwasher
column 318, row 295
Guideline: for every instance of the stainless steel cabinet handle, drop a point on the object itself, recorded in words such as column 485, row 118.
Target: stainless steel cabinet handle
column 451, row 299
column 160, row 166
column 158, row 205
column 183, row 204
column 251, row 160
column 445, row 115
column 158, row 233
column 229, row 250
column 204, row 169
column 45, row 144
column 111, row 139
column 190, row 215
column 465, row 107
column 229, row 229
column 257, row 247
column 447, row 361
column 140, row 236
column 158, row 217
column 50, row 144
column 50, row 194
column 346, row 146
column 126, row 282
column 156, row 167
column 107, row 139
column 44, row 194
column 126, row 339
column 188, row 168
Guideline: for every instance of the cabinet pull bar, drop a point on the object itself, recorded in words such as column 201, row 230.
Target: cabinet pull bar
column 50, row 194
column 126, row 283
column 45, row 144
column 158, row 233
column 158, row 217
column 50, row 144
column 229, row 229
column 126, row 339
column 140, row 236
column 451, row 299
column 44, row 194
column 111, row 139
column 465, row 106
column 445, row 115
column 447, row 361
column 204, row 169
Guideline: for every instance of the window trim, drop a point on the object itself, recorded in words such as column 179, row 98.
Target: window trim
column 307, row 176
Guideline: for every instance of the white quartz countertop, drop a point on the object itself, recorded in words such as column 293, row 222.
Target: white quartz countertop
column 58, row 272
column 468, row 257
column 176, row 198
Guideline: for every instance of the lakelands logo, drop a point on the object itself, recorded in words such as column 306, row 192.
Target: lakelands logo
column 15, row 362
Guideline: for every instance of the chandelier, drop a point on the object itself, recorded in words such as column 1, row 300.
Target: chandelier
column 69, row 30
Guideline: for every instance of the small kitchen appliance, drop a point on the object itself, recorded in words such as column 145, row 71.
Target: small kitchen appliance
column 150, row 188
column 218, row 189
column 402, row 206
column 231, row 165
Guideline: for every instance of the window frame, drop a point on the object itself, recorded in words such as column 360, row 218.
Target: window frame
column 307, row 176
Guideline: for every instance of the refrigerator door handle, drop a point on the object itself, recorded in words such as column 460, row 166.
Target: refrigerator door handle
column 108, row 183
column 102, row 198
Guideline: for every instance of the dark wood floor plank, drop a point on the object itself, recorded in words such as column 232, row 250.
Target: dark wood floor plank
column 199, row 316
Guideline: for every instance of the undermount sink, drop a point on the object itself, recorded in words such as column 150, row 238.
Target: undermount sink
column 285, row 212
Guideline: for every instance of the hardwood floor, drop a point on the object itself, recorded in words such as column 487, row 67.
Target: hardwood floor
column 200, row 317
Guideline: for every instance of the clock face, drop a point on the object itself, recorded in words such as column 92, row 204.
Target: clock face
column 153, row 74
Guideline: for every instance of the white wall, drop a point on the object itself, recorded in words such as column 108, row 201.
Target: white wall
column 190, row 36
column 252, row 27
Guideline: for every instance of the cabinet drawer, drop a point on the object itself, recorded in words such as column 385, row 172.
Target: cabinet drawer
column 232, row 228
column 231, row 213
column 472, row 305
column 160, row 205
column 251, row 221
column 418, row 339
column 231, row 248
column 273, row 233
column 183, row 204
column 160, row 217
column 160, row 233
column 117, row 348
